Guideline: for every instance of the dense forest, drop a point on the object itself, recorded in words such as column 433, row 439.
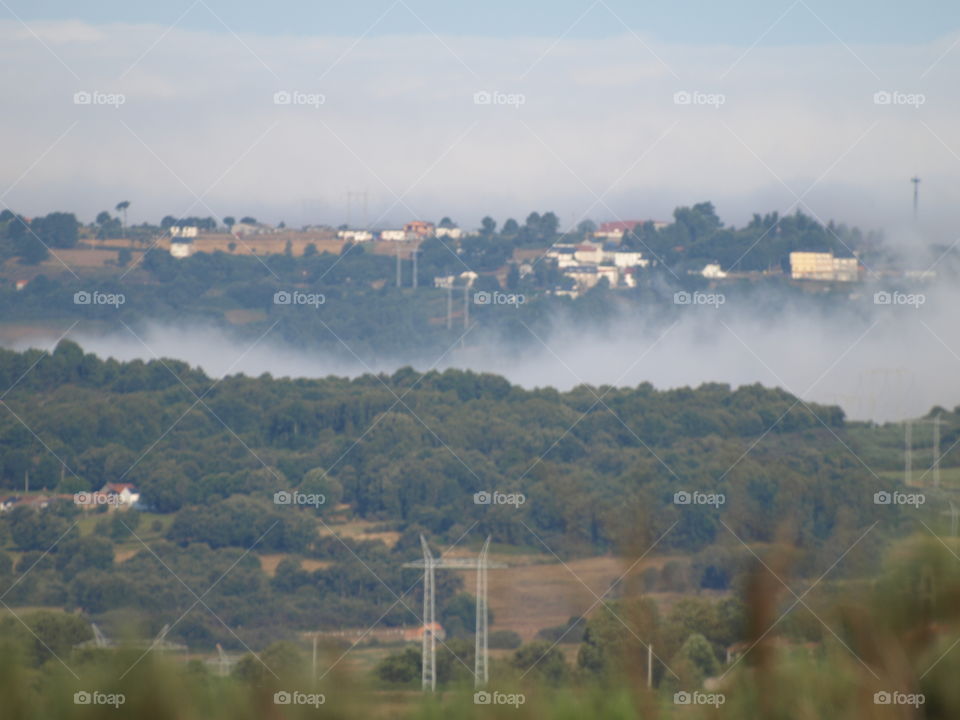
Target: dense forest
column 598, row 469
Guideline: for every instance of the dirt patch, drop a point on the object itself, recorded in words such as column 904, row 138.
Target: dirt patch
column 269, row 562
column 359, row 530
column 525, row 598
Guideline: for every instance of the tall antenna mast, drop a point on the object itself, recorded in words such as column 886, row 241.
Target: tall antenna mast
column 916, row 195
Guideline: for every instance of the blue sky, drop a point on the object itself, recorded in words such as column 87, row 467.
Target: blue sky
column 740, row 22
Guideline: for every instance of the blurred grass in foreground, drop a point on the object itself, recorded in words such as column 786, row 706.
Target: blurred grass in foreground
column 894, row 638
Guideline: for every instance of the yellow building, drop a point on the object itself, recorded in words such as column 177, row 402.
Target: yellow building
column 823, row 266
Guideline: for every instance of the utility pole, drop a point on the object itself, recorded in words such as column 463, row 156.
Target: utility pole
column 908, row 453
column 449, row 306
column 649, row 666
column 428, row 674
column 480, row 671
column 416, row 251
column 936, row 451
column 916, row 195
column 314, row 675
column 466, row 306
column 399, row 279
column 363, row 196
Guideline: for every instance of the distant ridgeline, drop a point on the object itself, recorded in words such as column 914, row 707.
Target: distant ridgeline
column 363, row 307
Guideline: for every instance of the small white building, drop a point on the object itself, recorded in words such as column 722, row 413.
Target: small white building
column 628, row 259
column 181, row 250
column 453, row 233
column 589, row 254
column 356, row 236
column 394, row 235
column 713, row 271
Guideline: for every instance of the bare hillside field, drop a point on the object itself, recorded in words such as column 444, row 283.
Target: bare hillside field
column 525, row 598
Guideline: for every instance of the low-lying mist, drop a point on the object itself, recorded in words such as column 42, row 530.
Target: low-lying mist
column 880, row 362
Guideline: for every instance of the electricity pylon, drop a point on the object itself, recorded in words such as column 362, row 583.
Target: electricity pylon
column 908, row 450
column 428, row 671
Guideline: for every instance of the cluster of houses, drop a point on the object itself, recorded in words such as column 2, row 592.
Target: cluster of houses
column 590, row 262
column 602, row 257
column 113, row 496
column 413, row 230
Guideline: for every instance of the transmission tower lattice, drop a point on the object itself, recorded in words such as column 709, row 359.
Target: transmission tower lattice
column 429, row 563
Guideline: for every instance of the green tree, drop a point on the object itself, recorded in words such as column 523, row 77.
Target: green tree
column 122, row 208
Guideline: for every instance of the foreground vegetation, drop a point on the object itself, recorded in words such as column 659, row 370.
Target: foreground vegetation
column 890, row 639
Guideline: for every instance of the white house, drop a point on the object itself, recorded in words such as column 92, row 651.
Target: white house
column 628, row 259
column 184, row 231
column 453, row 233
column 125, row 494
column 589, row 254
column 355, row 235
column 713, row 272
column 181, row 250
column 394, row 235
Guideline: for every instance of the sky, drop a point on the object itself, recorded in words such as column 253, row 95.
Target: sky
column 606, row 109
